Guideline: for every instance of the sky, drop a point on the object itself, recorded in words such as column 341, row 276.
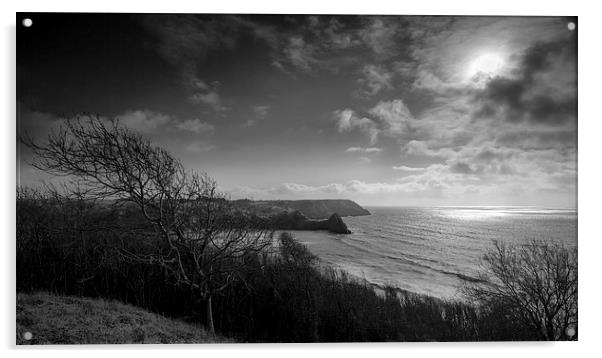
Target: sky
column 383, row 110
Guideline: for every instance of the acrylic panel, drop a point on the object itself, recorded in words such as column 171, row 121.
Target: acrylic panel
column 234, row 178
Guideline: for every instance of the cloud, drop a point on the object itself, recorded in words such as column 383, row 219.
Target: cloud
column 395, row 118
column 491, row 164
column 538, row 138
column 262, row 31
column 514, row 131
column 200, row 147
column 261, row 111
column 430, row 182
column 210, row 98
column 458, row 134
column 184, row 41
column 338, row 36
column 539, row 90
column 408, row 169
column 411, row 185
column 143, row 120
column 425, row 80
column 375, row 79
column 441, row 49
column 38, row 124
column 196, row 126
column 347, row 121
column 389, row 118
column 305, row 44
column 207, row 94
column 314, row 43
column 461, row 168
column 299, row 53
column 460, row 183
column 350, row 187
column 419, row 147
column 35, row 123
column 149, row 122
column 301, row 189
column 249, row 123
column 363, row 150
column 380, row 34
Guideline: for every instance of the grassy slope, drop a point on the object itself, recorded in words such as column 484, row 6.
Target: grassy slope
column 72, row 320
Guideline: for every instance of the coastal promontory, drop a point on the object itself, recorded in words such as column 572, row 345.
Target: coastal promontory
column 295, row 220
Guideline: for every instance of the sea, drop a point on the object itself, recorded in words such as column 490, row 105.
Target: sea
column 434, row 250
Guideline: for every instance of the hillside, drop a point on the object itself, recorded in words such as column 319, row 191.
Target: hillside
column 73, row 320
column 313, row 209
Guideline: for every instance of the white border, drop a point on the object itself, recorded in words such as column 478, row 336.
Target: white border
column 590, row 131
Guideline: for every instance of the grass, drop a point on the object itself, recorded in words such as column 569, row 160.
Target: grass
column 51, row 319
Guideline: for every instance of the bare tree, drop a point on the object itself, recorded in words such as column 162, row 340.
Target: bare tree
column 204, row 242
column 535, row 283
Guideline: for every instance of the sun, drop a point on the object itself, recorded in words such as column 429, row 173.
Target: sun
column 486, row 65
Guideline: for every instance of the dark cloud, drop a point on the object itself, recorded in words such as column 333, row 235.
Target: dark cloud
column 488, row 155
column 185, row 41
column 545, row 109
column 381, row 34
column 538, row 138
column 319, row 43
column 539, row 57
column 534, row 91
column 461, row 168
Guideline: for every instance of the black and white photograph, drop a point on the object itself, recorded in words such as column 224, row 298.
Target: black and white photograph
column 205, row 178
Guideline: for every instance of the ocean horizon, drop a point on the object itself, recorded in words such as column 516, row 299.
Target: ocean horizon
column 434, row 250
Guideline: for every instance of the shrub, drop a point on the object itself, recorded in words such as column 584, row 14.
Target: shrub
column 533, row 286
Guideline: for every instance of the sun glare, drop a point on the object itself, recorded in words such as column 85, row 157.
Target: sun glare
column 477, row 213
column 486, row 65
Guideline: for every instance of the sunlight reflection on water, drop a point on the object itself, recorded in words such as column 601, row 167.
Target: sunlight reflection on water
column 434, row 250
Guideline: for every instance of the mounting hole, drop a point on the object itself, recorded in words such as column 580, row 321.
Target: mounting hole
column 570, row 332
column 27, row 336
column 571, row 25
column 27, row 22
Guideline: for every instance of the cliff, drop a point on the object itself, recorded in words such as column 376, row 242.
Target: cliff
column 295, row 220
column 312, row 209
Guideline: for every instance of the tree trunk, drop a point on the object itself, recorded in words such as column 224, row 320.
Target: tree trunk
column 210, row 326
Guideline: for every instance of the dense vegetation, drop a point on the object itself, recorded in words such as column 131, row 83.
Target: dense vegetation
column 139, row 228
